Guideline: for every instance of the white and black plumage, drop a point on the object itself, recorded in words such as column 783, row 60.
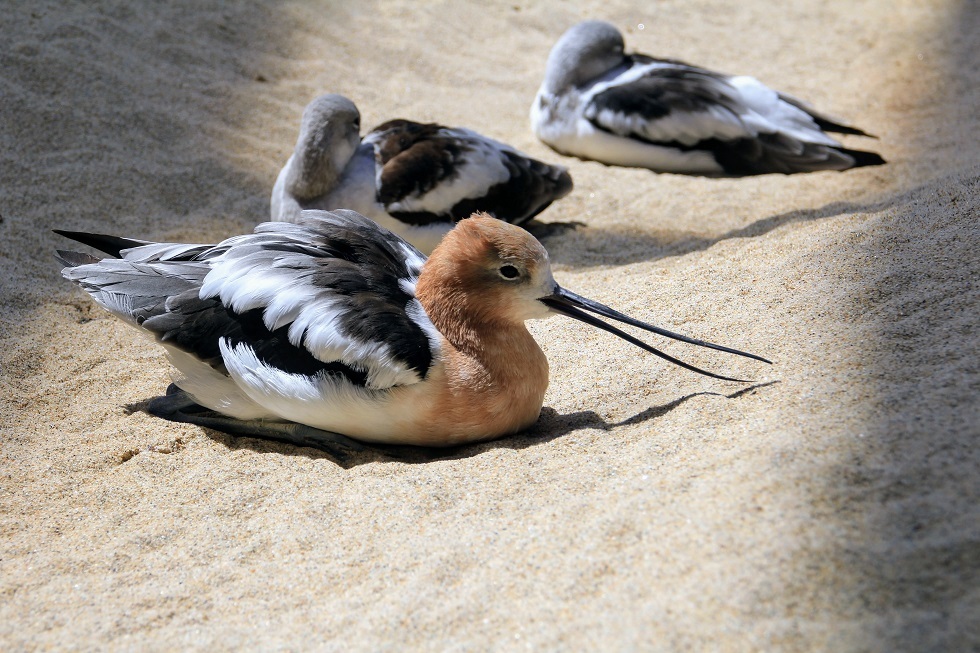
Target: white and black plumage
column 599, row 103
column 416, row 179
column 334, row 328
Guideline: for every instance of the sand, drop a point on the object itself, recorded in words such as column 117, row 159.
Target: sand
column 831, row 505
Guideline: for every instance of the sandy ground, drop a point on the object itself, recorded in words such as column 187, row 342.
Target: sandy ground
column 834, row 505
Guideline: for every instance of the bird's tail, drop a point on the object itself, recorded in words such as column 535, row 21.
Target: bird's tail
column 111, row 245
column 863, row 158
column 825, row 122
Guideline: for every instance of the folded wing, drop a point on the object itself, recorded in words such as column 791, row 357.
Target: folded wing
column 332, row 294
column 428, row 173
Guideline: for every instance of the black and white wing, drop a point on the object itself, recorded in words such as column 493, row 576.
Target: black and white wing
column 427, row 173
column 748, row 127
column 332, row 294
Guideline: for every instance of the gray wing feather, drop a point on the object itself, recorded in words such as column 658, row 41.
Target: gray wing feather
column 334, row 292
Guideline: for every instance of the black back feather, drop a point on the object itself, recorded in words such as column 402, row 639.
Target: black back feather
column 416, row 157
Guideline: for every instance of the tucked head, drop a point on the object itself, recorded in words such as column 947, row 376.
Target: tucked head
column 328, row 136
column 586, row 51
column 329, row 114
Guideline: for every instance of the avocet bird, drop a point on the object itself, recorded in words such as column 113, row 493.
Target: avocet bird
column 334, row 330
column 596, row 102
column 416, row 179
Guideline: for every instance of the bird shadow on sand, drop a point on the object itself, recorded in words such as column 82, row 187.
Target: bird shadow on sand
column 545, row 231
column 583, row 246
column 550, row 426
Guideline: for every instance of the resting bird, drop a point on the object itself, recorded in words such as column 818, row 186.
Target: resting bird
column 334, row 331
column 598, row 103
column 416, row 179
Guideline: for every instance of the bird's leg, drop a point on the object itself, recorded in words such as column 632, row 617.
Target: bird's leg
column 178, row 406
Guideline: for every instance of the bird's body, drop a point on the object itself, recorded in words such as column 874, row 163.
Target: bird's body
column 415, row 179
column 337, row 325
column 598, row 103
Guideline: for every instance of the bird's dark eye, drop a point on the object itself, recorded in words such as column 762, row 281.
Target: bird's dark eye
column 509, row 272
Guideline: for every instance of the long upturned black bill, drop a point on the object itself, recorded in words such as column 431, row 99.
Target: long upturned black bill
column 568, row 303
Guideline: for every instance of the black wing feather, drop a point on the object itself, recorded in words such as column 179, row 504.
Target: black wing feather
column 415, row 158
column 357, row 263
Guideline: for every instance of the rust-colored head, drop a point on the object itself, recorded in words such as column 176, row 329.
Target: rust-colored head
column 487, row 276
column 486, row 272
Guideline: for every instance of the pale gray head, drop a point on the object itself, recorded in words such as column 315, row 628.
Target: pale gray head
column 586, row 51
column 328, row 136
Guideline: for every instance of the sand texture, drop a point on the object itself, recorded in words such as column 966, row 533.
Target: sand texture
column 832, row 505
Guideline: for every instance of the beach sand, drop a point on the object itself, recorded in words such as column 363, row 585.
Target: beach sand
column 831, row 505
